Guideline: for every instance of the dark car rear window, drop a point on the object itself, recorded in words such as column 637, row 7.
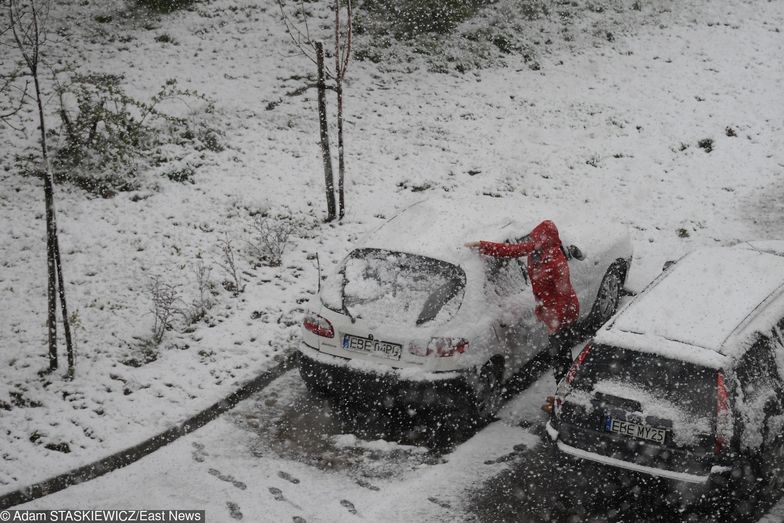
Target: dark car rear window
column 400, row 288
column 691, row 387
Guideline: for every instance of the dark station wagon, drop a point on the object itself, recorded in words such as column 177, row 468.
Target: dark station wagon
column 686, row 383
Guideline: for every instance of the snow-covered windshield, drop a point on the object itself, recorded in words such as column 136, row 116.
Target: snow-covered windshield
column 401, row 289
column 691, row 387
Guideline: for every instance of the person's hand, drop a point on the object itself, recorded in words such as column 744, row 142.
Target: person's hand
column 473, row 245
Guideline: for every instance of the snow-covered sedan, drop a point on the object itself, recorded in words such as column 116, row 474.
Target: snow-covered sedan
column 412, row 318
column 686, row 383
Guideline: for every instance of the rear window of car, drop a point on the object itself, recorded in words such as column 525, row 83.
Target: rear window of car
column 400, row 288
column 691, row 387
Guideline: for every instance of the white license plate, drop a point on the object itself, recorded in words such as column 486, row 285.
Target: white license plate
column 635, row 430
column 375, row 347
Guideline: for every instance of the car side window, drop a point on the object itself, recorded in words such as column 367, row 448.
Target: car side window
column 758, row 398
column 505, row 277
column 777, row 345
column 778, row 330
column 758, row 372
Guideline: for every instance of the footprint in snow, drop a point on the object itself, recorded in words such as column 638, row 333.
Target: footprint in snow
column 442, row 504
column 277, row 494
column 287, row 477
column 234, row 510
column 198, row 453
column 367, row 485
column 229, row 479
column 349, row 506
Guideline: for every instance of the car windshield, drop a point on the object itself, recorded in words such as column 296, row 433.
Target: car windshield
column 399, row 288
column 691, row 387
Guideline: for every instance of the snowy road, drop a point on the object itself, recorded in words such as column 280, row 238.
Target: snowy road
column 283, row 456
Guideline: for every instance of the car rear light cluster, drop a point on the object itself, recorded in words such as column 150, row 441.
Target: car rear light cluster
column 566, row 383
column 318, row 325
column 576, row 364
column 439, row 347
column 723, row 416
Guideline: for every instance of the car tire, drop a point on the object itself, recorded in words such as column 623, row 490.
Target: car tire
column 486, row 390
column 609, row 295
column 771, row 471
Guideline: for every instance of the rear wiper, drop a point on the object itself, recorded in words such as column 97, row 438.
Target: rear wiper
column 437, row 299
column 347, row 313
column 343, row 307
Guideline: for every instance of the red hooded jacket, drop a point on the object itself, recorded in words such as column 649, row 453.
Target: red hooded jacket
column 556, row 302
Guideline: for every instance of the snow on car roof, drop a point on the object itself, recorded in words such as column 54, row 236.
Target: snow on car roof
column 705, row 297
column 438, row 228
column 652, row 344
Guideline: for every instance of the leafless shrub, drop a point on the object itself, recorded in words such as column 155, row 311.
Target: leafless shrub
column 269, row 240
column 165, row 305
column 204, row 301
column 228, row 262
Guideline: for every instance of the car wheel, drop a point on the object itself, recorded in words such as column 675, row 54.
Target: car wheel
column 772, row 471
column 609, row 295
column 486, row 391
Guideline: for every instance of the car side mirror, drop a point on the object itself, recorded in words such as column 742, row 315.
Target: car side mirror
column 575, row 252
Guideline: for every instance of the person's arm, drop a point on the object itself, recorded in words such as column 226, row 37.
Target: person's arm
column 506, row 250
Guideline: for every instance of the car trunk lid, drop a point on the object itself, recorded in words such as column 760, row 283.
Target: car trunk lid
column 642, row 408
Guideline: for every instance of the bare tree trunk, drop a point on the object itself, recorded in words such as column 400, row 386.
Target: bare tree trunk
column 341, row 162
column 51, row 233
column 69, row 349
column 51, row 288
column 342, row 57
column 325, row 152
column 28, row 26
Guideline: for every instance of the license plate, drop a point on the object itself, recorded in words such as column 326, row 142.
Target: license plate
column 378, row 348
column 635, row 430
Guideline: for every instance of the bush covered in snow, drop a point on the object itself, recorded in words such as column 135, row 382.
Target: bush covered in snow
column 408, row 18
column 465, row 35
column 164, row 6
column 108, row 137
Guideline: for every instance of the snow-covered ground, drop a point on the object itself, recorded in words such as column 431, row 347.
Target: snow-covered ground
column 245, row 466
column 284, row 456
column 612, row 123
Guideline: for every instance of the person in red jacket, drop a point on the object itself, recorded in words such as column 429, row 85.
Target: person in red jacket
column 556, row 302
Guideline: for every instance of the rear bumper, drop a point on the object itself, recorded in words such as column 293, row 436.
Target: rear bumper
column 388, row 389
column 718, row 475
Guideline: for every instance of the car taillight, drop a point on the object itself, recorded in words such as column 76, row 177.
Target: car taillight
column 318, row 325
column 439, row 347
column 576, row 364
column 723, row 416
column 563, row 388
column 446, row 346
